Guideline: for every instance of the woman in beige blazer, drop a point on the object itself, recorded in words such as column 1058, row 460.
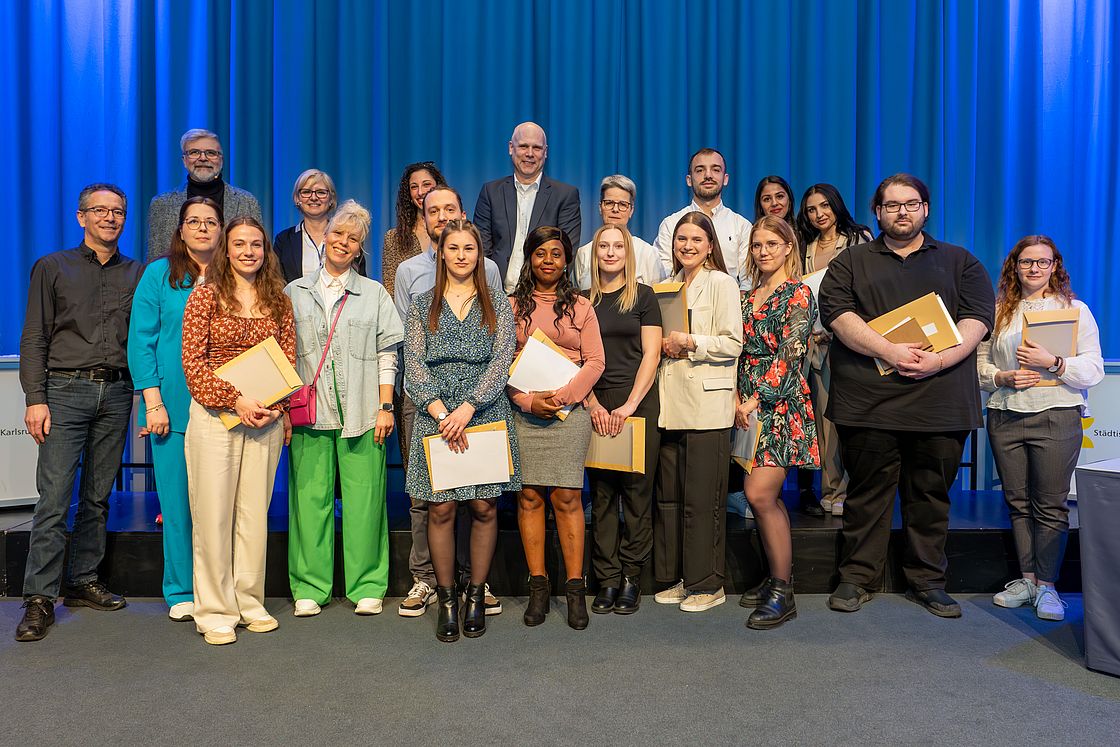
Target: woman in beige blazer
column 696, row 383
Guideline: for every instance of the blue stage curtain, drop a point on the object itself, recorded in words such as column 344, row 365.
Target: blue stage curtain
column 1007, row 110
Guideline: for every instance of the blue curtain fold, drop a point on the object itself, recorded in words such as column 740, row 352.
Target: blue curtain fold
column 1006, row 109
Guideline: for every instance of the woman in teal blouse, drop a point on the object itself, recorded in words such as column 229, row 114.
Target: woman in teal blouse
column 155, row 342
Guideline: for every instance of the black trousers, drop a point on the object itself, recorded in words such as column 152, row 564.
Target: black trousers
column 690, row 530
column 922, row 468
column 615, row 549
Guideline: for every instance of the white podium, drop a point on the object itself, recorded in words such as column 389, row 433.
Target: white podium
column 18, row 452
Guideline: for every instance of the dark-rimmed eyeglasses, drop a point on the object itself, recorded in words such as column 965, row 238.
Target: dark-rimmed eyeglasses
column 910, row 205
column 1026, row 264
column 195, row 223
column 619, row 204
column 322, row 194
column 102, row 212
column 196, row 153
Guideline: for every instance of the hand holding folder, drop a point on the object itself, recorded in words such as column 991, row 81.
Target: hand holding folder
column 542, row 366
column 672, row 298
column 262, row 373
column 932, row 319
column 488, row 459
column 1055, row 333
column 625, row 452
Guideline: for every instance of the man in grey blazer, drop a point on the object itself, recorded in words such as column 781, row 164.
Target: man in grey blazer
column 203, row 158
column 509, row 208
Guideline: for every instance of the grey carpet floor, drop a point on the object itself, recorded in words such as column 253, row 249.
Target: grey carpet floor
column 890, row 674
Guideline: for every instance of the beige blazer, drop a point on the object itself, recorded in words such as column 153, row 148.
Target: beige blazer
column 698, row 393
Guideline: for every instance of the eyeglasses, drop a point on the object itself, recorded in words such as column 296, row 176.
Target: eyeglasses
column 911, row 206
column 195, row 223
column 102, row 212
column 616, row 204
column 770, row 247
column 1043, row 263
column 194, row 154
column 322, row 194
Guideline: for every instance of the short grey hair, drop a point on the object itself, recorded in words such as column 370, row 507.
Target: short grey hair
column 88, row 190
column 353, row 216
column 618, row 181
column 196, row 134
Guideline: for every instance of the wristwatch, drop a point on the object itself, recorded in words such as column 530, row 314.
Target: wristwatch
column 387, row 406
column 442, row 416
column 1057, row 364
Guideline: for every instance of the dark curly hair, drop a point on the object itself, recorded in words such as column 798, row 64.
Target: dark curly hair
column 566, row 292
column 407, row 211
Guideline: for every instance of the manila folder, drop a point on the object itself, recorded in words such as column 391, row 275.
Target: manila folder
column 262, row 373
column 672, row 297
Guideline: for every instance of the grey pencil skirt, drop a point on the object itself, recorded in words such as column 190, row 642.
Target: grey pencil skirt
column 553, row 451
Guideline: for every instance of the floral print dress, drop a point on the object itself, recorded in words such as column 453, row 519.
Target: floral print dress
column 775, row 341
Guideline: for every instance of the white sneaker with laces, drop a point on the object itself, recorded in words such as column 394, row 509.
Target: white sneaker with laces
column 1016, row 593
column 1048, row 605
column 417, row 601
column 368, row 606
column 673, row 595
column 492, row 604
column 306, row 608
column 181, row 612
column 699, row 601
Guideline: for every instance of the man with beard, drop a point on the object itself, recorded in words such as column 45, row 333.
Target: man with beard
column 707, row 176
column 203, row 160
column 904, row 431
column 417, row 275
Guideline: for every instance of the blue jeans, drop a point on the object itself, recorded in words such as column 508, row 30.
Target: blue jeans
column 89, row 420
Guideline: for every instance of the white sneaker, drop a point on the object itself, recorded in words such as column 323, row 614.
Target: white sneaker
column 220, row 636
column 837, row 508
column 368, row 606
column 1016, row 593
column 1048, row 605
column 417, row 601
column 673, row 595
column 492, row 604
column 181, row 612
column 737, row 504
column 826, row 505
column 265, row 624
column 307, row 608
column 699, row 601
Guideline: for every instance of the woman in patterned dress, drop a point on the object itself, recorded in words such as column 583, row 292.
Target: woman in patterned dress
column 459, row 343
column 777, row 319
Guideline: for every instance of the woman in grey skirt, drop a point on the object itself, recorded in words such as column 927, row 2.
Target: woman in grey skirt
column 553, row 448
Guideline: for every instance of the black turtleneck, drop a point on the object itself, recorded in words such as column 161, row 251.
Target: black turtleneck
column 215, row 189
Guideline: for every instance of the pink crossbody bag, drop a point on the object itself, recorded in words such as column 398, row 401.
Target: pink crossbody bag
column 301, row 405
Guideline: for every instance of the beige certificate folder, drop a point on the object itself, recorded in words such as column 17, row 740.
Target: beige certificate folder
column 488, row 458
column 908, row 330
column 931, row 315
column 262, row 373
column 744, row 444
column 625, row 452
column 1056, row 331
column 542, row 366
column 672, row 297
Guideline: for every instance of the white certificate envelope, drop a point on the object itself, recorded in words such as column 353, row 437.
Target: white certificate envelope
column 488, row 458
column 541, row 366
column 814, row 280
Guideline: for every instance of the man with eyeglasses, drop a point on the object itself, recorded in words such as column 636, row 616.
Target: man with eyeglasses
column 508, row 209
column 617, row 194
column 906, row 431
column 74, row 373
column 706, row 177
column 203, row 159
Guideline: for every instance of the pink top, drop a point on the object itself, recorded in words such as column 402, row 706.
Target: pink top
column 578, row 337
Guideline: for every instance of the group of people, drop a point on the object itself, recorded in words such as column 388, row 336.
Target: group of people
column 427, row 353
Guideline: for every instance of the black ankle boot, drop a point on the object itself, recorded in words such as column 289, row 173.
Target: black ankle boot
column 474, row 611
column 538, row 600
column 629, row 597
column 778, row 607
column 755, row 596
column 576, row 591
column 447, row 625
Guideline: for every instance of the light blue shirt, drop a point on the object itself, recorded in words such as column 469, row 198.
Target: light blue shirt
column 417, row 275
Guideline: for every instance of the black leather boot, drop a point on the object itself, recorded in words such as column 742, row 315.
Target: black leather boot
column 447, row 626
column 474, row 611
column 755, row 596
column 537, row 607
column 604, row 600
column 629, row 597
column 778, row 607
column 576, row 591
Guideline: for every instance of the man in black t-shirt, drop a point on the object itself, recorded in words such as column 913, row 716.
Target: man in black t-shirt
column 904, row 431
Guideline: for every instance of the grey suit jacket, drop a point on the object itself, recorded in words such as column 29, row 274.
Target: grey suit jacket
column 163, row 215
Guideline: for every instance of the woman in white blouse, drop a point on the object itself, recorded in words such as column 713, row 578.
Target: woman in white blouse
column 1034, row 416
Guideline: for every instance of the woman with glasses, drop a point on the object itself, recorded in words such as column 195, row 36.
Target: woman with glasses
column 409, row 236
column 300, row 247
column 825, row 228
column 1034, row 416
column 353, row 417
column 459, row 345
column 777, row 317
column 155, row 359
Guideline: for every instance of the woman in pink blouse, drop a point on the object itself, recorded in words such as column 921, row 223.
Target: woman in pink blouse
column 230, row 472
column 553, row 449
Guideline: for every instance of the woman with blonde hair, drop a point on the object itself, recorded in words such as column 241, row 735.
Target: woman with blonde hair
column 300, row 248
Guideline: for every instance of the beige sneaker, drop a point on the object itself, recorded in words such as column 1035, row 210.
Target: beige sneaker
column 838, row 507
column 492, row 604
column 699, row 601
column 220, row 636
column 265, row 624
column 417, row 601
column 673, row 595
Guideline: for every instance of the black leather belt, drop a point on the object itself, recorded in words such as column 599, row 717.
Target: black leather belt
column 95, row 374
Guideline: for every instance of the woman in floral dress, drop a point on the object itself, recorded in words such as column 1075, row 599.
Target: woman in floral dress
column 777, row 318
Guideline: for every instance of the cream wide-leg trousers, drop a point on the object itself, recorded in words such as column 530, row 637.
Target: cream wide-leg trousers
column 230, row 475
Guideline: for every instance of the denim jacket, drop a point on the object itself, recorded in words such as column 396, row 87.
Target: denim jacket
column 369, row 325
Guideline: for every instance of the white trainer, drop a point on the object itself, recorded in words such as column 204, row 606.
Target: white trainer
column 220, row 636
column 1048, row 605
column 307, row 608
column 1016, row 593
column 181, row 612
column 368, row 606
column 673, row 595
column 837, row 508
column 699, row 601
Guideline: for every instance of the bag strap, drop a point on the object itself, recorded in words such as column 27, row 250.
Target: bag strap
column 337, row 314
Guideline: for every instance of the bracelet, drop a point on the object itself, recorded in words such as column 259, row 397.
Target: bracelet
column 153, row 408
column 941, row 362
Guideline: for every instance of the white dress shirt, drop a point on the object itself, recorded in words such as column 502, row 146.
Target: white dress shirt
column 526, row 199
column 332, row 289
column 733, row 230
column 646, row 264
column 312, row 252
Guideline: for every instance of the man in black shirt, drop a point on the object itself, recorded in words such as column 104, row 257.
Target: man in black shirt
column 904, row 431
column 74, row 373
